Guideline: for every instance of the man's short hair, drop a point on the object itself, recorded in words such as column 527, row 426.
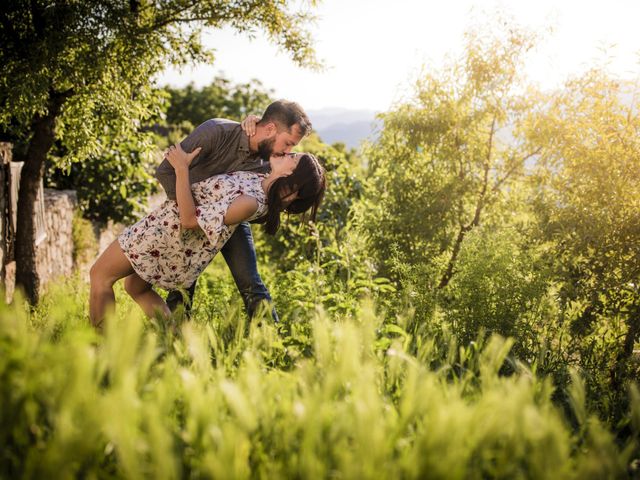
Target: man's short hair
column 286, row 114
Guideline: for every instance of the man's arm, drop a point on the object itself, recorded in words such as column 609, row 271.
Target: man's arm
column 206, row 136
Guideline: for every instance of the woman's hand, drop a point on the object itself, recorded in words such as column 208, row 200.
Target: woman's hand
column 249, row 125
column 178, row 158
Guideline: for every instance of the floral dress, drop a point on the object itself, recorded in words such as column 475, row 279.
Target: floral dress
column 164, row 254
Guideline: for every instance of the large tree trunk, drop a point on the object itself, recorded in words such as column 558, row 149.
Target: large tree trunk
column 43, row 128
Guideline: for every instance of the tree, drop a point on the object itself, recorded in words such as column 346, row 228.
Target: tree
column 447, row 156
column 72, row 67
column 588, row 209
column 220, row 99
column 114, row 184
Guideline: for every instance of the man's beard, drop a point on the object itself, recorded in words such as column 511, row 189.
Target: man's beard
column 265, row 148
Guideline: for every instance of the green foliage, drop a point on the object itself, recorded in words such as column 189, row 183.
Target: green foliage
column 495, row 209
column 115, row 184
column 85, row 245
column 586, row 204
column 445, row 157
column 213, row 401
column 103, row 58
column 498, row 286
column 219, row 99
column 587, row 196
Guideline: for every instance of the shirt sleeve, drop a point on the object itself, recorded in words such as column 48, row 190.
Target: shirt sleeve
column 207, row 135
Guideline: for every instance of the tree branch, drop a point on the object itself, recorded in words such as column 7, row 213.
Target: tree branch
column 464, row 229
column 500, row 181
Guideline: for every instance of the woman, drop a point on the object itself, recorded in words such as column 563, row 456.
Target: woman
column 172, row 245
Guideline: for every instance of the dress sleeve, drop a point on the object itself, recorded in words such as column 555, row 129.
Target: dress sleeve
column 210, row 218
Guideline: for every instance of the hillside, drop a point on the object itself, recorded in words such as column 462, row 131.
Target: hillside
column 350, row 127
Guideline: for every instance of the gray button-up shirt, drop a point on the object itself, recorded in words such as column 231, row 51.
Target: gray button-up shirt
column 225, row 148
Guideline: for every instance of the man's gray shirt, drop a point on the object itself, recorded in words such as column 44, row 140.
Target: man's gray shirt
column 225, row 148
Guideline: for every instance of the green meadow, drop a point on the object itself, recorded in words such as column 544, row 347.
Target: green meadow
column 317, row 396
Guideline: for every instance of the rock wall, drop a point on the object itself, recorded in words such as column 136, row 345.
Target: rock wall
column 56, row 257
column 55, row 252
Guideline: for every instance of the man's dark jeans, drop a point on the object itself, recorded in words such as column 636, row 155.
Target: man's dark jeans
column 240, row 254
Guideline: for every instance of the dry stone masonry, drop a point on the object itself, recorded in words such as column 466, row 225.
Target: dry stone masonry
column 55, row 251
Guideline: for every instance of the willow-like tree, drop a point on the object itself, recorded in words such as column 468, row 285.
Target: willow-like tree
column 72, row 67
column 447, row 155
column 588, row 207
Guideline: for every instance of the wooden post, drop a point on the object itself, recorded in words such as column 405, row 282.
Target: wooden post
column 5, row 213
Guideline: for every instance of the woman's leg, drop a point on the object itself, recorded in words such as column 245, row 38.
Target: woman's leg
column 110, row 267
column 144, row 295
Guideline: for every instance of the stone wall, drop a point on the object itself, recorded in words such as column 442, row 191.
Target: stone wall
column 55, row 252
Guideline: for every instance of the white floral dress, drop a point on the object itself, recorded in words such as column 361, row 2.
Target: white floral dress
column 164, row 254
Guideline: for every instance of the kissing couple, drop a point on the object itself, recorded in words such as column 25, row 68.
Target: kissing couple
column 218, row 179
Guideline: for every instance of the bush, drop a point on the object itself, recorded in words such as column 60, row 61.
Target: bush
column 496, row 289
column 85, row 245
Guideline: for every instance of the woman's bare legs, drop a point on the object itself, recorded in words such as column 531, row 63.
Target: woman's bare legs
column 144, row 295
column 110, row 267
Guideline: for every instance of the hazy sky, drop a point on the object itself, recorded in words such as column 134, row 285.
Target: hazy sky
column 374, row 48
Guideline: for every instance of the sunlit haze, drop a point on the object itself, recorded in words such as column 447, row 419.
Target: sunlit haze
column 373, row 48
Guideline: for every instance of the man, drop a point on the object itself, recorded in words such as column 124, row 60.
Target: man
column 227, row 148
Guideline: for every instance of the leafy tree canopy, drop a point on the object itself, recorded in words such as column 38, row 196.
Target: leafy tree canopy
column 71, row 68
column 220, row 99
column 98, row 58
column 453, row 140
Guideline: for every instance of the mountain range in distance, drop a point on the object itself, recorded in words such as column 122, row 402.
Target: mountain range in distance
column 350, row 127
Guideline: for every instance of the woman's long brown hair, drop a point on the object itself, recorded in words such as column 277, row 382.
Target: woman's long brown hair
column 308, row 179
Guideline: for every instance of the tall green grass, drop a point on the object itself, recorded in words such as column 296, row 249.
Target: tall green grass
column 339, row 398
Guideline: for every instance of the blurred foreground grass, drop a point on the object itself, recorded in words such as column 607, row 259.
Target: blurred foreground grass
column 314, row 397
